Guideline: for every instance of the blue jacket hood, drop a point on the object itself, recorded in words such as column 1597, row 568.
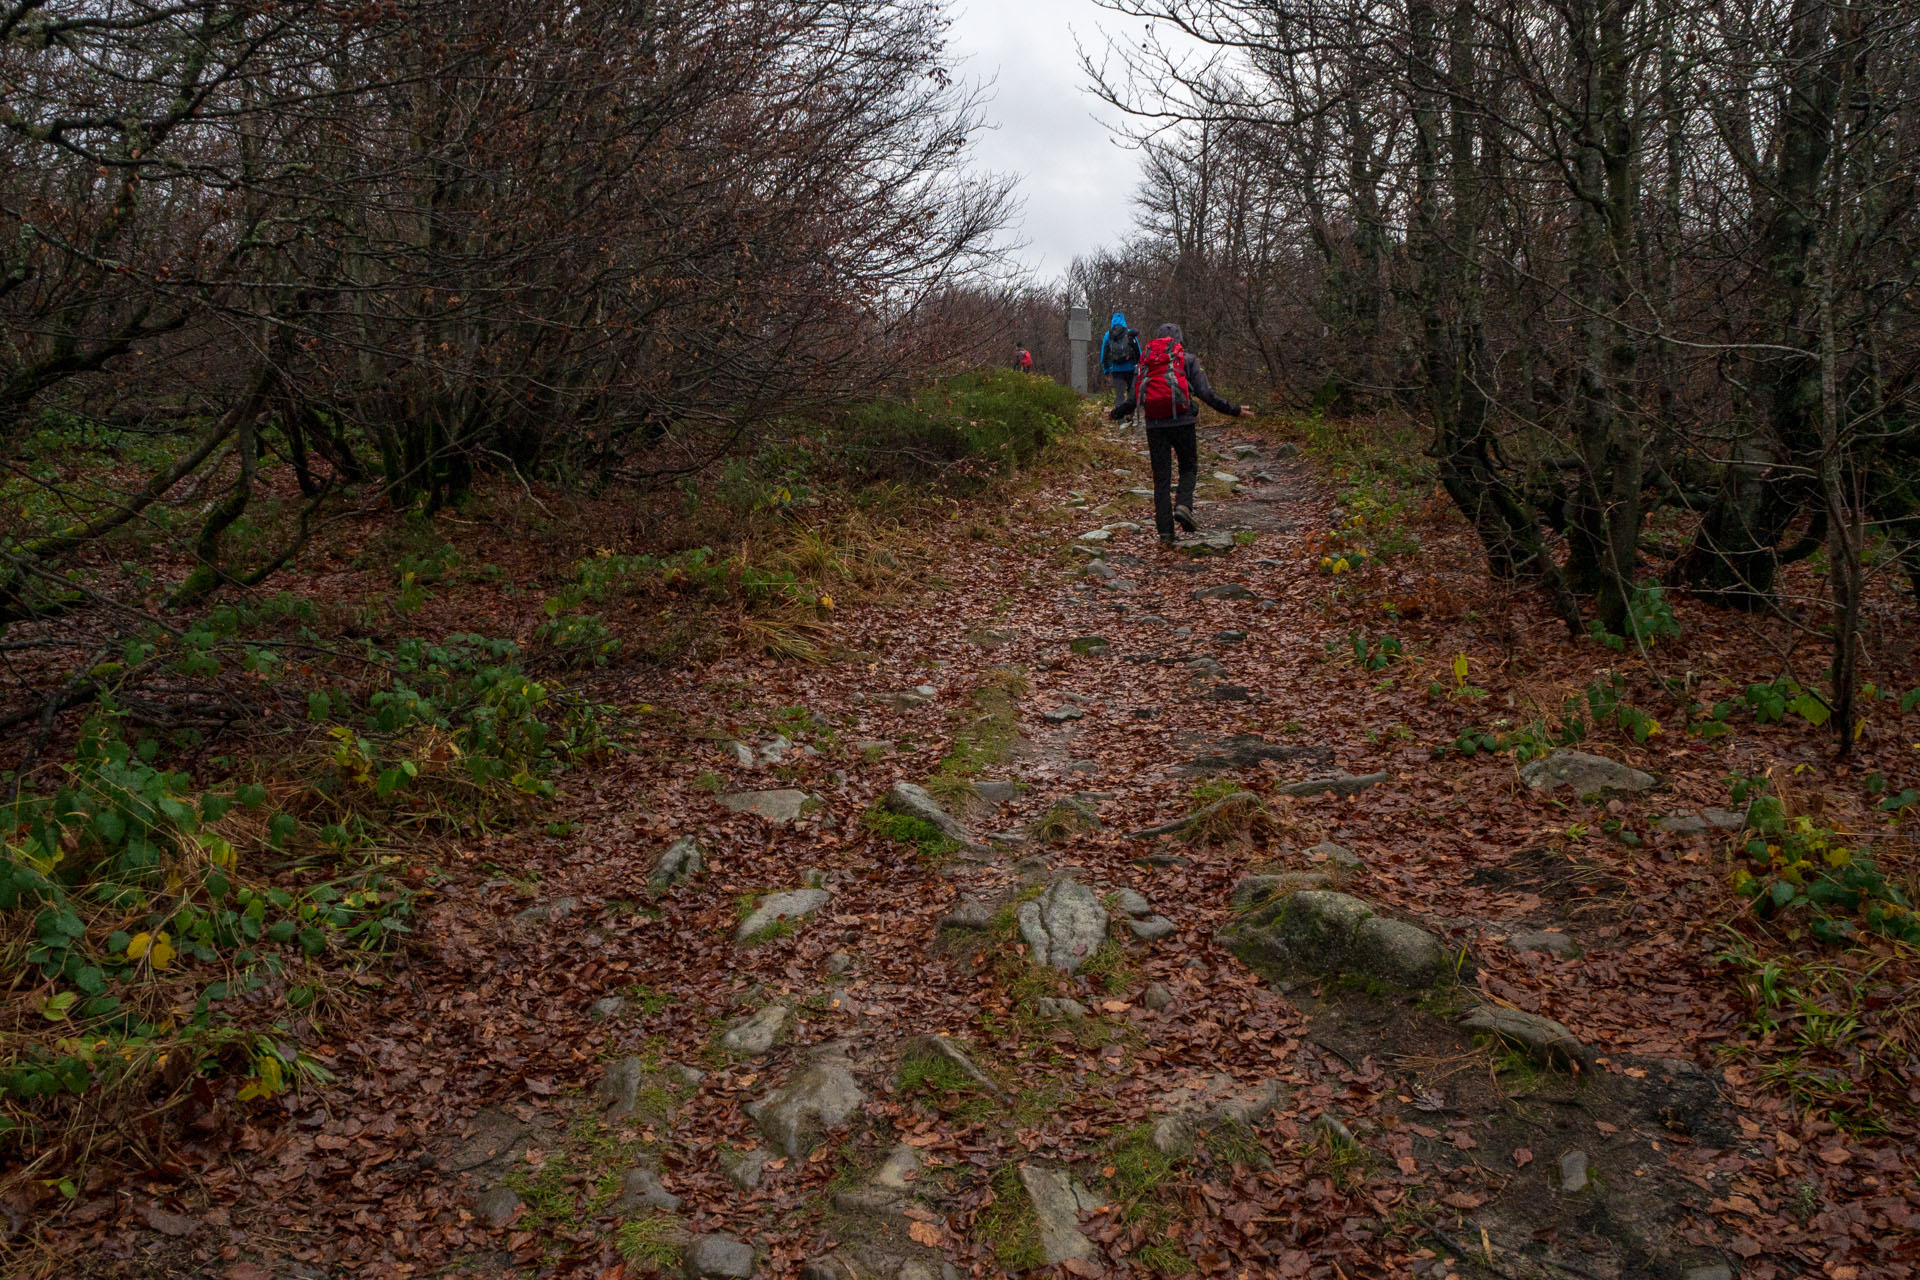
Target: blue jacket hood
column 1119, row 318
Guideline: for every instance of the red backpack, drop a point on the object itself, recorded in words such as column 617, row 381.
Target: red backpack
column 1162, row 381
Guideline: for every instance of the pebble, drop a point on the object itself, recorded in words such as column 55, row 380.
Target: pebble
column 606, row 1007
column 1152, row 929
column 1230, row 636
column 1061, row 715
column 839, row 962
column 1062, row 1007
column 1156, row 996
column 1573, row 1171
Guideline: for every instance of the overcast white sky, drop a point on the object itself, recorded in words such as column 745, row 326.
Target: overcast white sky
column 1076, row 182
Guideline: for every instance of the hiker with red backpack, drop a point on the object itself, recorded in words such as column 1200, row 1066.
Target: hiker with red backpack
column 1023, row 359
column 1167, row 387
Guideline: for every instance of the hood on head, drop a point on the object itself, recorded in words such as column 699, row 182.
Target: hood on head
column 1173, row 331
column 1119, row 318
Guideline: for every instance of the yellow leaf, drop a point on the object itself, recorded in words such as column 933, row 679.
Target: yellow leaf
column 138, row 946
column 162, row 953
column 1460, row 667
column 925, row 1233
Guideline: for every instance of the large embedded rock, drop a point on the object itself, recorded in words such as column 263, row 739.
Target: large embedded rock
column 1058, row 1201
column 1218, row 1121
column 1320, row 932
column 682, row 860
column 1585, row 772
column 888, row 1190
column 777, row 807
column 1544, row 1040
column 1064, row 926
column 718, row 1258
column 755, row 1035
column 794, row 904
column 913, row 801
column 816, row 1101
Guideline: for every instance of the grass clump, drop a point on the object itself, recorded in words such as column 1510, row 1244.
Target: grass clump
column 1009, row 1225
column 651, row 1243
column 990, row 735
column 946, row 1086
column 1064, row 820
column 928, row 841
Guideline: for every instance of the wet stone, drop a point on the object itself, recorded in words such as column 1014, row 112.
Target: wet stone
column 744, row 1169
column 1063, row 715
column 1152, row 929
column 1573, row 1172
column 718, row 1258
column 972, row 914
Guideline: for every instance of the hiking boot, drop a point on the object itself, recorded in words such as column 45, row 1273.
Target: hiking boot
column 1183, row 516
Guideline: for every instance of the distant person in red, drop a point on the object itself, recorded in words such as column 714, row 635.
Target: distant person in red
column 1023, row 360
column 1169, row 384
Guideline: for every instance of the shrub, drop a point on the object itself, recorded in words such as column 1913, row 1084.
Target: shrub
column 964, row 427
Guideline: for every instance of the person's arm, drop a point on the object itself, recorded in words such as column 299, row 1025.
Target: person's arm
column 1104, row 339
column 1197, row 381
column 1123, row 410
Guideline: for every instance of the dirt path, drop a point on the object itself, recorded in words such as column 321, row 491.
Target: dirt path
column 567, row 1086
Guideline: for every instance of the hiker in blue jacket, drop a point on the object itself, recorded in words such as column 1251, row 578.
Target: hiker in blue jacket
column 1120, row 356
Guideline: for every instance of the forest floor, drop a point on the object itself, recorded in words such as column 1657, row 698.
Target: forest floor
column 573, row 1073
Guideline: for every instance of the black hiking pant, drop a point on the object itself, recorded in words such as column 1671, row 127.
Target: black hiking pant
column 1162, row 444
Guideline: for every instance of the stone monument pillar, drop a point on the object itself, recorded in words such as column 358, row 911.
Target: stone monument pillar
column 1079, row 334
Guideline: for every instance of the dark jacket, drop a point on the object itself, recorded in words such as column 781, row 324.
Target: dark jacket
column 1196, row 383
column 1119, row 366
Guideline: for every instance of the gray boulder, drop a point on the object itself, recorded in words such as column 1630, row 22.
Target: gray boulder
column 817, row 1100
column 642, row 1189
column 996, row 793
column 794, row 904
column 1152, row 928
column 1064, row 926
column 1215, row 542
column 1157, row 997
column 970, row 914
column 744, row 1169
column 1130, row 901
column 1342, row 859
column 1585, row 772
column 1253, row 890
column 913, row 801
column 717, row 1258
column 1546, row 1041
column 1058, row 1201
column 757, row 1033
column 682, row 860
column 888, row 1190
column 1065, row 1008
column 1321, row 932
column 628, row 1088
column 1547, row 940
column 777, row 807
column 1062, row 715
column 1401, row 953
column 607, row 1007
